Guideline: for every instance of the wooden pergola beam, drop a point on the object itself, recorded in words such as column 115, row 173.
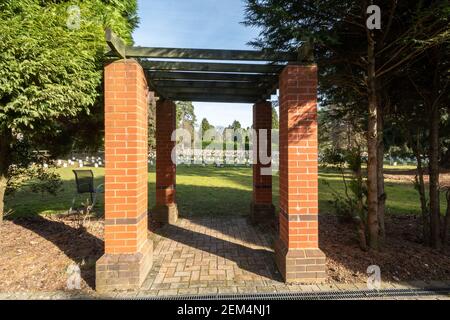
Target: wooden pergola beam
column 210, row 76
column 211, row 81
column 214, row 98
column 305, row 52
column 212, row 90
column 209, row 54
column 208, row 84
column 212, row 67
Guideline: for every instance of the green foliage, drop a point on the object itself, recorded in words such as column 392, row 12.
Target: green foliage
column 49, row 72
column 360, row 69
column 351, row 206
column 205, row 125
column 284, row 24
column 185, row 117
column 51, row 68
column 36, row 177
column 409, row 32
column 235, row 125
column 275, row 119
column 152, row 126
column 45, row 72
column 28, row 171
column 185, row 114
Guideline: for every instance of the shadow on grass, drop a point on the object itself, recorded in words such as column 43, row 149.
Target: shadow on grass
column 203, row 191
column 25, row 203
column 240, row 176
column 68, row 240
column 211, row 191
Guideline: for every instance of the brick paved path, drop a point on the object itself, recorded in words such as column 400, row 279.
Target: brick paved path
column 224, row 256
column 212, row 255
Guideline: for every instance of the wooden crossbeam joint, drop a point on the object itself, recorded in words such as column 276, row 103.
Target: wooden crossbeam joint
column 116, row 44
column 306, row 51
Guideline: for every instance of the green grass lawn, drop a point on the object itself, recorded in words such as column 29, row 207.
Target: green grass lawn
column 209, row 191
column 402, row 198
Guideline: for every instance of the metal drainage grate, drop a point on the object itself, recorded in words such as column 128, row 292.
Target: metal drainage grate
column 329, row 295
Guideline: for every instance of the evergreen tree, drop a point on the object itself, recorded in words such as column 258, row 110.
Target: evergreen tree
column 356, row 62
column 206, row 125
column 51, row 67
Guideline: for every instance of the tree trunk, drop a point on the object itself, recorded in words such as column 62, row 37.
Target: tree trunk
column 4, row 165
column 445, row 160
column 3, row 181
column 361, row 227
column 447, row 220
column 435, row 212
column 372, row 146
column 380, row 175
column 420, row 182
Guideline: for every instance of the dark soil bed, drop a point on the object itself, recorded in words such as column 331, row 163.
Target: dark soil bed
column 402, row 258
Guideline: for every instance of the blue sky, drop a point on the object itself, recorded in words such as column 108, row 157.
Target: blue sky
column 207, row 24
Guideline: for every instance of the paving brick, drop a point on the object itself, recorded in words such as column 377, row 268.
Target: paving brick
column 208, row 290
column 227, row 290
column 179, row 285
column 170, row 292
column 188, row 291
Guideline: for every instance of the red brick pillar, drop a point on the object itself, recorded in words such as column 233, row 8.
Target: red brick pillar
column 128, row 251
column 165, row 210
column 297, row 252
column 262, row 208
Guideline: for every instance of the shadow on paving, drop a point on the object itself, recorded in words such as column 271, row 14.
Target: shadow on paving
column 209, row 204
column 258, row 261
column 78, row 244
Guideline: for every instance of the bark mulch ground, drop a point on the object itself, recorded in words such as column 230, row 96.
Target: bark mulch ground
column 35, row 253
column 402, row 258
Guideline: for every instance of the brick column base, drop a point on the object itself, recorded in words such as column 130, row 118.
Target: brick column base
column 124, row 271
column 165, row 213
column 261, row 212
column 300, row 265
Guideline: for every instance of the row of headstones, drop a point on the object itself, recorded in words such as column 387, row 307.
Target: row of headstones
column 96, row 162
column 395, row 161
column 204, row 157
column 216, row 157
column 192, row 157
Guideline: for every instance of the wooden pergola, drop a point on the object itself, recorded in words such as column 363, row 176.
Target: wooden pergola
column 239, row 76
column 208, row 75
